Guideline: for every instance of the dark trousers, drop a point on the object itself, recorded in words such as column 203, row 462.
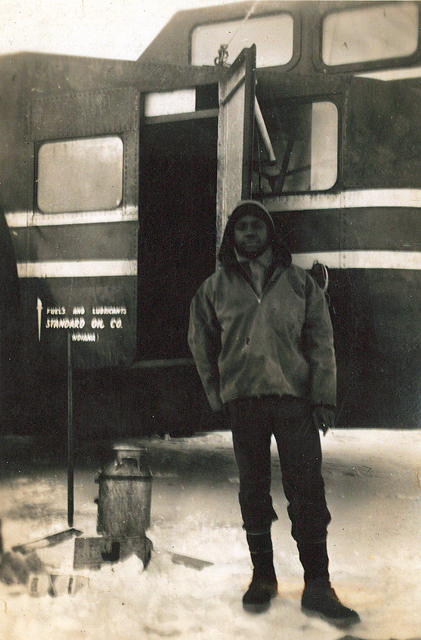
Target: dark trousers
column 253, row 422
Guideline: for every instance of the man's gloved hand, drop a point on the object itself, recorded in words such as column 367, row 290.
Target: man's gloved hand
column 324, row 417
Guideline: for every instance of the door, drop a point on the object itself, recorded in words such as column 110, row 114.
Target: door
column 235, row 136
column 191, row 166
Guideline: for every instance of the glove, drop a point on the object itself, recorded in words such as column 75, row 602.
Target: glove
column 324, row 417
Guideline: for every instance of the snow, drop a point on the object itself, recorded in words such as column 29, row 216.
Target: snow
column 373, row 480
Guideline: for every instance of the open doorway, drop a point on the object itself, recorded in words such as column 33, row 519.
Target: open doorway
column 177, row 204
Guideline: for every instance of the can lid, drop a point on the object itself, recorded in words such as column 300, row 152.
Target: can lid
column 129, row 451
column 128, row 446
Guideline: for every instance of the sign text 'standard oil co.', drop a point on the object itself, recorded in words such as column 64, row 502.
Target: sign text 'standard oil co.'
column 103, row 317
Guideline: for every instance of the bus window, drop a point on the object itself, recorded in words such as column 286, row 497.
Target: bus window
column 166, row 103
column 80, row 175
column 272, row 35
column 324, row 146
column 364, row 34
column 305, row 142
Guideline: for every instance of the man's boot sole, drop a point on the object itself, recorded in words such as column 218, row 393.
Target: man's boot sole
column 341, row 623
column 256, row 608
column 259, row 608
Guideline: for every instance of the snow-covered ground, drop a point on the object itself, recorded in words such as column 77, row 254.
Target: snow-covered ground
column 373, row 488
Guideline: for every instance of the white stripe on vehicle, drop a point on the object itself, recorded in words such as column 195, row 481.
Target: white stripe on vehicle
column 28, row 219
column 324, row 201
column 360, row 259
column 77, row 269
column 361, row 199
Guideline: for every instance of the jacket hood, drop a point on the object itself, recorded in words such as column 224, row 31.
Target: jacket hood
column 226, row 255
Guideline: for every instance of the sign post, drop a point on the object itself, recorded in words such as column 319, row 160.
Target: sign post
column 70, row 462
column 89, row 332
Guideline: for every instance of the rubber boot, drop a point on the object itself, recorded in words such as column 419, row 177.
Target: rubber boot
column 264, row 585
column 319, row 598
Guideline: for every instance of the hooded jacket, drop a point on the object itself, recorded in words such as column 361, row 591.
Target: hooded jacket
column 278, row 344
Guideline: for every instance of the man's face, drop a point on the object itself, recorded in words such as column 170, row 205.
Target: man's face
column 251, row 236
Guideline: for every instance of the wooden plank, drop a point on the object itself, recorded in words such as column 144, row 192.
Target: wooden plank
column 194, row 563
column 48, row 541
column 92, row 553
column 43, row 584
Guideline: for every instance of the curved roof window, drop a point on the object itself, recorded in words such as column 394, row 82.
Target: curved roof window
column 364, row 34
column 272, row 35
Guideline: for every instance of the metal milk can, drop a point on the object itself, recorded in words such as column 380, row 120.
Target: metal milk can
column 124, row 500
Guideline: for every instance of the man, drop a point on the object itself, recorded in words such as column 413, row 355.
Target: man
column 261, row 337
